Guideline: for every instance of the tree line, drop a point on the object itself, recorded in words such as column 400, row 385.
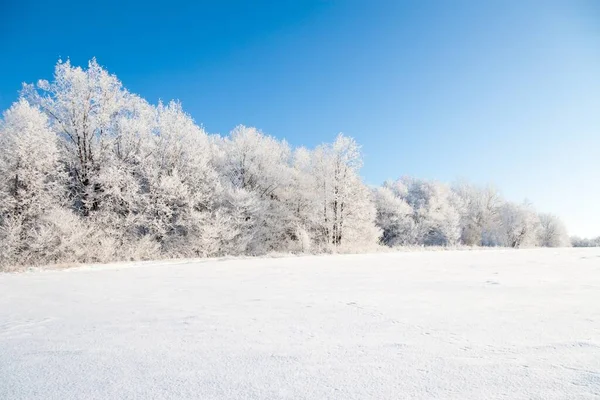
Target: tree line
column 90, row 172
column 576, row 241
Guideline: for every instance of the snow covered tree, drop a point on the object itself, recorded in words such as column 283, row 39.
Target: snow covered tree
column 303, row 201
column 255, row 162
column 83, row 107
column 577, row 241
column 180, row 186
column 435, row 214
column 552, row 231
column 30, row 181
column 347, row 209
column 256, row 169
column 480, row 207
column 519, row 225
column 394, row 215
column 91, row 172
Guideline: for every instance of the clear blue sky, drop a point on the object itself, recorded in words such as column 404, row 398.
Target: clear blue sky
column 506, row 92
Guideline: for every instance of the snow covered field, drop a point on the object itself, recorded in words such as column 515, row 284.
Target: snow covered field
column 496, row 324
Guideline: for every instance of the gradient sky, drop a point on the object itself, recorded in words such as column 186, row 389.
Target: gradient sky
column 506, row 92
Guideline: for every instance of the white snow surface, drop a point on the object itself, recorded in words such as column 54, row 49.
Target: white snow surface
column 493, row 324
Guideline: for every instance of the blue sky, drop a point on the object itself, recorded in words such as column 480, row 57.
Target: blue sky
column 506, row 92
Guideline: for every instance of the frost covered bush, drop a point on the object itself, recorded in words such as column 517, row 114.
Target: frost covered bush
column 92, row 173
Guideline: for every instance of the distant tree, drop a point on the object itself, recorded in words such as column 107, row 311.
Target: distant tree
column 347, row 210
column 394, row 216
column 553, row 232
column 520, row 225
column 435, row 212
column 305, row 203
column 585, row 242
column 480, row 208
column 418, row 212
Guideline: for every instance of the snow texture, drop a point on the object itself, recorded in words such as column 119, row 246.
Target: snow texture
column 495, row 324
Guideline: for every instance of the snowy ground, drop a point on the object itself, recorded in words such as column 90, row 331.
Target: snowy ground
column 430, row 325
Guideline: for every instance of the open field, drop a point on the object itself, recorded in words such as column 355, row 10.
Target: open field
column 495, row 324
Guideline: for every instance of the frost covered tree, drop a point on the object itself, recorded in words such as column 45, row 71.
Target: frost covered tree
column 418, row 212
column 91, row 172
column 395, row 215
column 577, row 241
column 181, row 187
column 480, row 208
column 434, row 211
column 83, row 107
column 552, row 231
column 304, row 202
column 257, row 171
column 519, row 225
column 30, row 182
column 347, row 210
